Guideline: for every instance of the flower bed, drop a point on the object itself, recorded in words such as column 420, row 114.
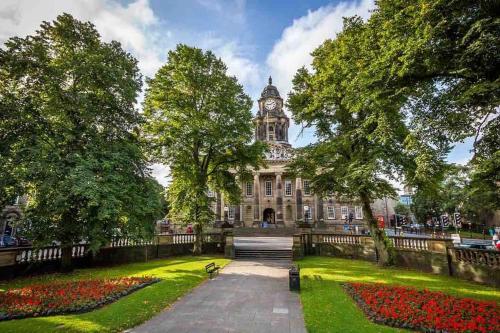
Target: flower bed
column 66, row 297
column 424, row 310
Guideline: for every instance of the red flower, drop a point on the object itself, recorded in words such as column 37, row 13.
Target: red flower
column 62, row 297
column 425, row 310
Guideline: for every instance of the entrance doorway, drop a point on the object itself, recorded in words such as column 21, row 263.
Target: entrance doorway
column 269, row 215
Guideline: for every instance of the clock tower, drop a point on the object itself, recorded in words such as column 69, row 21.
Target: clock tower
column 271, row 122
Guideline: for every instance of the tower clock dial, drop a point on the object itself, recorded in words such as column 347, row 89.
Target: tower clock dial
column 270, row 104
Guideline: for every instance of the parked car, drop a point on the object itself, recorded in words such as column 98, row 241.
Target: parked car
column 477, row 246
column 21, row 241
column 8, row 241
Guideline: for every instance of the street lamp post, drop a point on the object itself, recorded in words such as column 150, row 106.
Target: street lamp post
column 226, row 210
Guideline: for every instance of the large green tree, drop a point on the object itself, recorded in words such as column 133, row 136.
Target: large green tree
column 361, row 132
column 76, row 152
column 443, row 56
column 200, row 125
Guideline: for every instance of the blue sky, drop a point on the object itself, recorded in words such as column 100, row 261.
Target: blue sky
column 255, row 38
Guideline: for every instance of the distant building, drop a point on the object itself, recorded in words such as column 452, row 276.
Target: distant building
column 406, row 199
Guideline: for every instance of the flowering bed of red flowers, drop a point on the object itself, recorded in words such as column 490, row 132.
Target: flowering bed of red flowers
column 424, row 310
column 66, row 297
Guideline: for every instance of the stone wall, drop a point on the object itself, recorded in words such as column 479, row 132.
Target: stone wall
column 436, row 256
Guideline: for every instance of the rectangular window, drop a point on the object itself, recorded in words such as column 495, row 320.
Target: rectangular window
column 249, row 189
column 358, row 212
column 344, row 212
column 307, row 213
column 268, row 188
column 306, row 186
column 210, row 193
column 230, row 213
column 330, row 212
column 288, row 188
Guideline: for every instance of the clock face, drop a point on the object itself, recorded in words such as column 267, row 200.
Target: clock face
column 270, row 104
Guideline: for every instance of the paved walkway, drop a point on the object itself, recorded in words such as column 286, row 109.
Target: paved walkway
column 247, row 296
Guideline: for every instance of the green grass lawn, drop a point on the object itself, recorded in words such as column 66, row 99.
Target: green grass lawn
column 179, row 275
column 327, row 308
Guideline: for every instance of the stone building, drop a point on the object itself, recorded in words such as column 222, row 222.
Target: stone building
column 274, row 195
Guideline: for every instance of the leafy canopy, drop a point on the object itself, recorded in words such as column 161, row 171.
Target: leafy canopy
column 71, row 130
column 199, row 123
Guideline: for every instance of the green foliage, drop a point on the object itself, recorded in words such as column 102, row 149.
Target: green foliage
column 199, row 123
column 178, row 276
column 71, row 133
column 443, row 55
column 471, row 190
column 402, row 209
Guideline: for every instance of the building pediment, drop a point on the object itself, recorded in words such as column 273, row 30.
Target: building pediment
column 279, row 152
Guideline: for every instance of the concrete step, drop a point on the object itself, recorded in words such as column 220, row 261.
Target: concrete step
column 263, row 254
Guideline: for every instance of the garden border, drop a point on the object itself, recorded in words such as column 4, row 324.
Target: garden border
column 88, row 308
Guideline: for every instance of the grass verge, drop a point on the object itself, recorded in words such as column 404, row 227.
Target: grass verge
column 179, row 275
column 327, row 308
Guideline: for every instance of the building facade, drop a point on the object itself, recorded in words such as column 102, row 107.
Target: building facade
column 274, row 196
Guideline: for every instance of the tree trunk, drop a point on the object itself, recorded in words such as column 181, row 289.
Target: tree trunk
column 198, row 242
column 384, row 248
column 66, row 254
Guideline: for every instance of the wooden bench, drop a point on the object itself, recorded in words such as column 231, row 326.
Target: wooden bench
column 211, row 269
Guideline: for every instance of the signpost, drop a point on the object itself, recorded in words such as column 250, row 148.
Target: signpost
column 458, row 221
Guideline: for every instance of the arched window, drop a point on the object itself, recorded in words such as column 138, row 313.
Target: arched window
column 271, row 132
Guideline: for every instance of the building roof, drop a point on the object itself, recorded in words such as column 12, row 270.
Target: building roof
column 270, row 90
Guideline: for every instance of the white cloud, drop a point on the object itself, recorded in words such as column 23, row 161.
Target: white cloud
column 248, row 72
column 293, row 49
column 132, row 25
column 232, row 10
column 161, row 173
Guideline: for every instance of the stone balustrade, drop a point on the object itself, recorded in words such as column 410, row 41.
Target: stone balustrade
column 410, row 243
column 490, row 258
column 338, row 238
column 28, row 255
column 32, row 255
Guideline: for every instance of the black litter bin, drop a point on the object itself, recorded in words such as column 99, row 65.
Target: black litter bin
column 294, row 278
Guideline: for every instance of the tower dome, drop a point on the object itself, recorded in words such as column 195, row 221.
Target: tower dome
column 270, row 90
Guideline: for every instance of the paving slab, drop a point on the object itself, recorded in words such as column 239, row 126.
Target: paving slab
column 247, row 296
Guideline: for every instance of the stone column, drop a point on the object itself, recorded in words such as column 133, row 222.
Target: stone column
column 298, row 199
column 218, row 208
column 237, row 215
column 256, row 199
column 319, row 214
column 279, row 199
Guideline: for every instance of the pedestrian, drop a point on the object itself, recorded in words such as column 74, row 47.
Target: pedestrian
column 495, row 241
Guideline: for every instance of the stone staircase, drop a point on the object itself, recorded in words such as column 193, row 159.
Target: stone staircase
column 263, row 248
column 247, row 254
